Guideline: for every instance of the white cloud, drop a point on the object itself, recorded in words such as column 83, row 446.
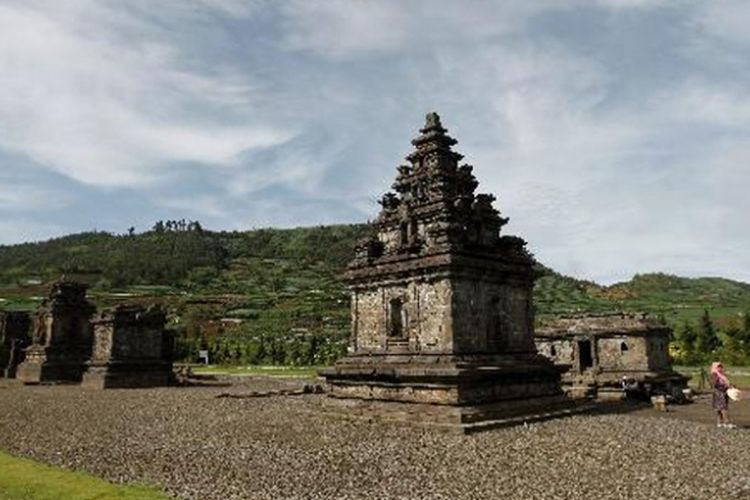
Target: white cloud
column 236, row 8
column 103, row 112
column 601, row 187
column 195, row 207
column 725, row 19
column 345, row 28
column 23, row 197
column 638, row 4
column 706, row 102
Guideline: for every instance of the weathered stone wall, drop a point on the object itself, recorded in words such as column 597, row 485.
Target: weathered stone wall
column 491, row 317
column 444, row 316
column 622, row 353
column 425, row 316
column 71, row 329
column 368, row 315
column 131, row 349
column 131, row 341
column 129, row 332
column 434, row 326
column 561, row 351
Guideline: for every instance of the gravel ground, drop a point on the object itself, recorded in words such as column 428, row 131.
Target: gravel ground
column 199, row 447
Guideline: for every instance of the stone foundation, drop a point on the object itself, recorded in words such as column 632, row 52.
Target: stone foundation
column 45, row 365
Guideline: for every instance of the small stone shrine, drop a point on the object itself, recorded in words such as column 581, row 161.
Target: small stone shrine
column 131, row 349
column 442, row 318
column 601, row 351
column 14, row 338
column 61, row 341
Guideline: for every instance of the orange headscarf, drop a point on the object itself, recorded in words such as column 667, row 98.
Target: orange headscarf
column 718, row 370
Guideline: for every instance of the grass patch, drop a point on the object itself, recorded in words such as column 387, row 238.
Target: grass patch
column 268, row 371
column 738, row 375
column 19, row 304
column 23, row 479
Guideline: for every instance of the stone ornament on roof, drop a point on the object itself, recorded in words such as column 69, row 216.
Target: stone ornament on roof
column 433, row 206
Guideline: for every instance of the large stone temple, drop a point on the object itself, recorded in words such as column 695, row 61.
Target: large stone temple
column 442, row 315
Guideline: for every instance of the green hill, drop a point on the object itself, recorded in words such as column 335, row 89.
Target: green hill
column 276, row 295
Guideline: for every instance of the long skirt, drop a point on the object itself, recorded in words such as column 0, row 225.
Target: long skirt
column 720, row 400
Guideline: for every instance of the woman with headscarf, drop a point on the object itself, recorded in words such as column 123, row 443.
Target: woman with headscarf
column 720, row 403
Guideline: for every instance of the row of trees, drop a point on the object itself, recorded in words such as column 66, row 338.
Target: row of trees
column 291, row 334
column 291, row 349
column 181, row 225
column 703, row 341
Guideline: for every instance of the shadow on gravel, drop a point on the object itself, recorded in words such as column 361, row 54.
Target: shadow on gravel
column 202, row 381
column 617, row 407
column 305, row 389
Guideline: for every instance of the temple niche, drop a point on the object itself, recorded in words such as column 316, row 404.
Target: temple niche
column 61, row 340
column 131, row 348
column 442, row 312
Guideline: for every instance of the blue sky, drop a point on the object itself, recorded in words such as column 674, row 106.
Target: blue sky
column 615, row 133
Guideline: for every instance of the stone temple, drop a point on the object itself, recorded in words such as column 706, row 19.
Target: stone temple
column 61, row 341
column 126, row 346
column 131, row 348
column 442, row 315
column 599, row 350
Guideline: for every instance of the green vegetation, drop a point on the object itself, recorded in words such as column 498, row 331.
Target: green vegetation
column 276, row 296
column 22, row 479
column 738, row 375
column 263, row 297
column 672, row 297
column 703, row 341
column 266, row 371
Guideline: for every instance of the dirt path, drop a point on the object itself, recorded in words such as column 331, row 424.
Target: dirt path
column 701, row 411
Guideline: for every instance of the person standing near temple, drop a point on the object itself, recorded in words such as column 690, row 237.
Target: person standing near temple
column 720, row 403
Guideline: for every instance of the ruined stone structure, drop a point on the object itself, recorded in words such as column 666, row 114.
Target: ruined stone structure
column 61, row 341
column 599, row 350
column 131, row 348
column 14, row 338
column 442, row 319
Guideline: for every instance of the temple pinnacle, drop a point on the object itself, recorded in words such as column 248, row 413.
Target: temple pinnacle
column 432, row 120
column 432, row 124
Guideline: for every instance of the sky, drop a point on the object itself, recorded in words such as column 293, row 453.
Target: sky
column 614, row 133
